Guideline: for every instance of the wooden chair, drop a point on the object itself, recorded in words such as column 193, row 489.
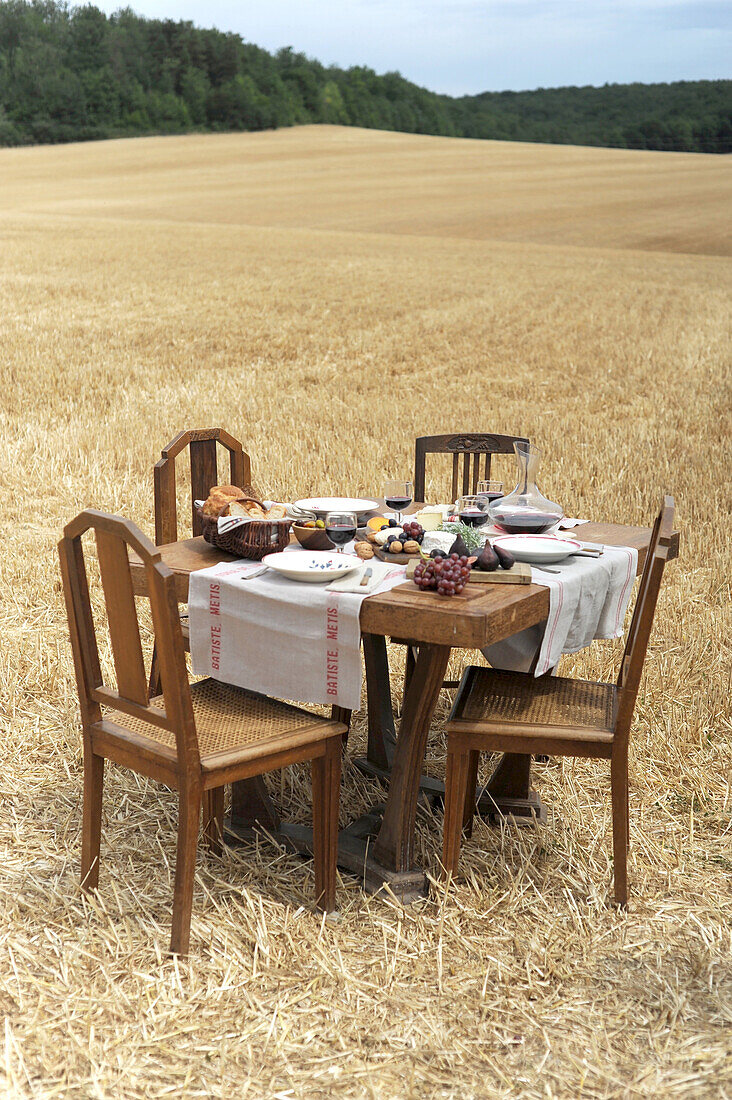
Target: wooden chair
column 471, row 447
column 202, row 444
column 515, row 712
column 192, row 738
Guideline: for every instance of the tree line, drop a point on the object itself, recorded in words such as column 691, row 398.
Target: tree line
column 75, row 74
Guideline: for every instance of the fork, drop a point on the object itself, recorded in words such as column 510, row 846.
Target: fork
column 254, row 573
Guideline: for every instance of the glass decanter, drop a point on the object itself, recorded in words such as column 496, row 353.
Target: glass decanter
column 525, row 511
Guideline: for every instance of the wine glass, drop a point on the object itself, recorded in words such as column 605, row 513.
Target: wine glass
column 398, row 496
column 490, row 490
column 340, row 527
column 473, row 510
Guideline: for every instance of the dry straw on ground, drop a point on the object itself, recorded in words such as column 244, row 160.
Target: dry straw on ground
column 327, row 295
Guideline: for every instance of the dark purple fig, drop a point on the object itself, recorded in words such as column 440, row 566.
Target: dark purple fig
column 472, row 561
column 488, row 559
column 459, row 548
column 506, row 559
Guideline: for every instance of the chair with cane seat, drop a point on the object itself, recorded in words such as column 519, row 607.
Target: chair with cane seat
column 497, row 711
column 194, row 739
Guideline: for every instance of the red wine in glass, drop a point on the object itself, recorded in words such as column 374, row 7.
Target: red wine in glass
column 340, row 533
column 340, row 527
column 398, row 504
column 398, row 496
column 490, row 496
column 472, row 517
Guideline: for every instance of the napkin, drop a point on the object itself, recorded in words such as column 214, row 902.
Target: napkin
column 381, row 571
column 567, row 524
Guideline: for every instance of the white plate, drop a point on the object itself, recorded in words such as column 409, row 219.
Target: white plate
column 541, row 549
column 312, row 565
column 321, row 505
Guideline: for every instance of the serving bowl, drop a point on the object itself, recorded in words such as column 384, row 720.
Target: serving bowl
column 312, row 538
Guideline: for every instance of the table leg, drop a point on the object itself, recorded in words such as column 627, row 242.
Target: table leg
column 509, row 791
column 395, row 843
column 379, row 846
column 251, row 808
column 382, row 738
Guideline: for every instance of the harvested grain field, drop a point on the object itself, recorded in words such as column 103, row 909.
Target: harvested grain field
column 327, row 295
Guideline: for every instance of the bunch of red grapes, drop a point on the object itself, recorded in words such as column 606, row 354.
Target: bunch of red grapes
column 413, row 530
column 448, row 575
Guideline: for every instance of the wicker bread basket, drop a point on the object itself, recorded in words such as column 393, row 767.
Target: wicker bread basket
column 249, row 540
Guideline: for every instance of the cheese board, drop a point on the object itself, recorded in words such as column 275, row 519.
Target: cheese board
column 519, row 573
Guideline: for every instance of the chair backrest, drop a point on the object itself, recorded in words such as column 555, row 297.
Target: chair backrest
column 641, row 623
column 470, row 447
column 114, row 536
column 202, row 443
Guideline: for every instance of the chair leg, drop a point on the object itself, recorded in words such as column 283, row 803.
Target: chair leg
column 189, row 814
column 91, row 827
column 326, row 772
column 456, row 795
column 340, row 714
column 470, row 792
column 619, row 789
column 154, row 683
column 213, row 820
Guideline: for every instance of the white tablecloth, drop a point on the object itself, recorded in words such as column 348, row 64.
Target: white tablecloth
column 280, row 637
column 588, row 599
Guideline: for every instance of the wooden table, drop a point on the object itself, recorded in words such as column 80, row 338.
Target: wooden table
column 379, row 847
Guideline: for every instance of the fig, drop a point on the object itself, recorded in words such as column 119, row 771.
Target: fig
column 459, row 548
column 437, row 553
column 504, row 557
column 488, row 559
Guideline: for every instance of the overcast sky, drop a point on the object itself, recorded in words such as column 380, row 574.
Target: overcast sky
column 466, row 46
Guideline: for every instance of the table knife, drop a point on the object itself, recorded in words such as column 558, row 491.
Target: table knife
column 367, row 574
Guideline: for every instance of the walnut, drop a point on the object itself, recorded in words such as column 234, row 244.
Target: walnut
column 411, row 546
column 364, row 551
column 371, row 536
column 395, row 547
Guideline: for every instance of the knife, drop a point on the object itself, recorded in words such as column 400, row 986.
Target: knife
column 367, row 574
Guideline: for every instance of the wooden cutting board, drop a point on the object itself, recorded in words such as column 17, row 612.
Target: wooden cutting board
column 519, row 573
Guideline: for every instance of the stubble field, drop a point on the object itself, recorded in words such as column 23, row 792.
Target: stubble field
column 327, row 295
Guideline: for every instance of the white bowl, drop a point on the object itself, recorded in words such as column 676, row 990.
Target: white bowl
column 312, row 566
column 542, row 549
column 321, row 505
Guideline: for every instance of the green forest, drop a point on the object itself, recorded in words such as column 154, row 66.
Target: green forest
column 74, row 74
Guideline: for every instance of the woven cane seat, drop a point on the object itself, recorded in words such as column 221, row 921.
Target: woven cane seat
column 230, row 718
column 492, row 697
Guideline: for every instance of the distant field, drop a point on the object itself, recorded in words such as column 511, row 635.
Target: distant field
column 329, row 177
column 328, row 294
